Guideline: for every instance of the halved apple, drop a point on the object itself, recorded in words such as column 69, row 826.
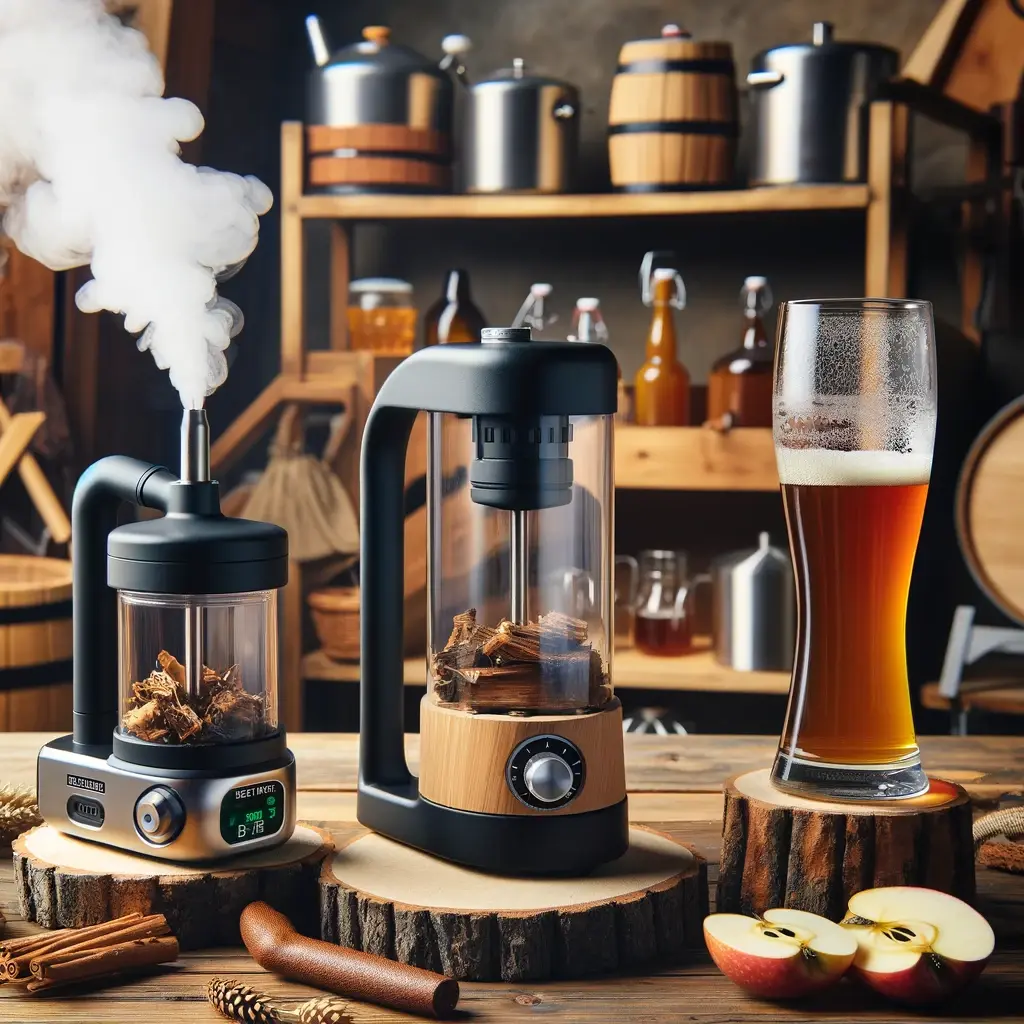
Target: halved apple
column 780, row 955
column 917, row 945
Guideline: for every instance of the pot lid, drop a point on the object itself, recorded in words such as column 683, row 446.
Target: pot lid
column 376, row 50
column 823, row 41
column 518, row 75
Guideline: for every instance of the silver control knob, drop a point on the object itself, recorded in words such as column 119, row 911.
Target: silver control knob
column 548, row 777
column 159, row 815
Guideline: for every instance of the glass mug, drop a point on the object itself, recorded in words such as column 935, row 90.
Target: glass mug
column 664, row 609
column 627, row 580
column 854, row 410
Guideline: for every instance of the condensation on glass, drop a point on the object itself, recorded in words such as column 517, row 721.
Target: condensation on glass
column 198, row 669
column 520, row 603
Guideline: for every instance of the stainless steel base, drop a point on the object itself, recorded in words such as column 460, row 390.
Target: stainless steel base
column 117, row 786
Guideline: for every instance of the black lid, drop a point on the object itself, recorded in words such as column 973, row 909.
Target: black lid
column 198, row 551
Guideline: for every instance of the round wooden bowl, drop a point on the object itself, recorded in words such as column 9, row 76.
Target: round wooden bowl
column 336, row 620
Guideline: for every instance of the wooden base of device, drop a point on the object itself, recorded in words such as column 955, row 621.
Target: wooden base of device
column 780, row 850
column 65, row 882
column 463, row 757
column 382, row 897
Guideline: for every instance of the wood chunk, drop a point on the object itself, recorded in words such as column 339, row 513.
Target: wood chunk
column 780, row 850
column 172, row 667
column 659, row 921
column 182, row 720
column 65, row 883
column 542, row 665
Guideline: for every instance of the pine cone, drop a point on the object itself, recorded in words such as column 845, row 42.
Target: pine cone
column 240, row 1002
column 325, row 1010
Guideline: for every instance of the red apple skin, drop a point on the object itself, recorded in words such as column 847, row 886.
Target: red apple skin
column 924, row 984
column 769, row 978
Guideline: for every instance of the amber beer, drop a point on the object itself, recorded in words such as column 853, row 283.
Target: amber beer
column 854, row 519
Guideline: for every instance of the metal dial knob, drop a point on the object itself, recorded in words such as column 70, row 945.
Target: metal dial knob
column 545, row 772
column 548, row 777
column 159, row 815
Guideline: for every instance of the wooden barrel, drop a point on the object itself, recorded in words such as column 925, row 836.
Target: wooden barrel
column 672, row 119
column 35, row 643
column 990, row 510
column 377, row 157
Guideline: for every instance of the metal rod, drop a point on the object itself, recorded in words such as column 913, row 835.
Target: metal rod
column 520, row 564
column 195, row 468
column 194, row 645
column 195, row 447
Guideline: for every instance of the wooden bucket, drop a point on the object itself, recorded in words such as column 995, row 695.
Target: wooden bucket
column 377, row 158
column 35, row 643
column 672, row 119
column 989, row 503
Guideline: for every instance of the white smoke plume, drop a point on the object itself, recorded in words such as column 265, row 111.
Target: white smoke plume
column 90, row 172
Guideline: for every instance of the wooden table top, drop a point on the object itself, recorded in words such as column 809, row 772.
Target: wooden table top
column 670, row 780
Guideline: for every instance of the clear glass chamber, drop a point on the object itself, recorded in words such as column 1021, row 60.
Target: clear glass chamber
column 520, row 603
column 198, row 669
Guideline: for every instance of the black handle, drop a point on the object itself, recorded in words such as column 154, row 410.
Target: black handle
column 382, row 581
column 98, row 494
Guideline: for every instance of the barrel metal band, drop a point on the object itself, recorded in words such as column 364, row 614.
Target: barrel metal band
column 726, row 128
column 29, row 677
column 15, row 614
column 698, row 65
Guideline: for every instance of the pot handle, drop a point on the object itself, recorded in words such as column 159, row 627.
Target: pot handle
column 563, row 111
column 764, row 79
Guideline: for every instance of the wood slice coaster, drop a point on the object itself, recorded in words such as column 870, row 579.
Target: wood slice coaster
column 780, row 850
column 65, row 882
column 382, row 897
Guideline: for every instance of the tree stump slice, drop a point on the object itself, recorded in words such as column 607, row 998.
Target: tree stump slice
column 64, row 882
column 381, row 897
column 781, row 850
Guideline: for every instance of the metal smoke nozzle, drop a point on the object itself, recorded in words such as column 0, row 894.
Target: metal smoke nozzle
column 195, row 447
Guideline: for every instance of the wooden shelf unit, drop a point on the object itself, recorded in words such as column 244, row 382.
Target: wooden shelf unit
column 683, row 458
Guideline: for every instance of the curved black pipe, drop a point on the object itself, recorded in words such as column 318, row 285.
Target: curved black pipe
column 99, row 493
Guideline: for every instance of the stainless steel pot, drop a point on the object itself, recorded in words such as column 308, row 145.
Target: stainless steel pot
column 522, row 133
column 754, row 609
column 810, row 108
column 376, row 81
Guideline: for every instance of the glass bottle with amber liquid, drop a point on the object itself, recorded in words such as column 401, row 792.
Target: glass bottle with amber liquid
column 662, row 384
column 740, row 383
column 453, row 318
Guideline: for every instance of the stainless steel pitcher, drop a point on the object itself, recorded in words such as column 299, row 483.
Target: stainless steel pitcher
column 754, row 609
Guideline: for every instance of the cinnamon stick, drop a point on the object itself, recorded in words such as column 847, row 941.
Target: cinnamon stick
column 17, row 967
column 106, row 962
column 153, row 926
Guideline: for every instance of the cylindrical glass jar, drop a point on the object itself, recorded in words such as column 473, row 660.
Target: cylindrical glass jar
column 485, row 565
column 198, row 669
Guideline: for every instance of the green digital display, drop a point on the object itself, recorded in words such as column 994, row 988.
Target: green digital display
column 252, row 812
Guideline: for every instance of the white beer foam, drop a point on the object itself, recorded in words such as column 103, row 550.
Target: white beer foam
column 849, row 469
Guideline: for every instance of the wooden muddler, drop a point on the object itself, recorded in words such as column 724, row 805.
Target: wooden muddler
column 276, row 946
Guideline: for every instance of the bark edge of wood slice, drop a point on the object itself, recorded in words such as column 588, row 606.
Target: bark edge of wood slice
column 462, row 932
column 780, row 850
column 64, row 882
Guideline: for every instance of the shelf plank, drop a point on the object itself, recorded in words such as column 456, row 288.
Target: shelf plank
column 695, row 459
column 631, row 670
column 780, row 199
column 699, row 671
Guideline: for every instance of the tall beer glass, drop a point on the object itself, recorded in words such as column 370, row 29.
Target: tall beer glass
column 854, row 427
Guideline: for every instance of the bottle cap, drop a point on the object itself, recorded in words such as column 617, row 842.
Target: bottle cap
column 664, row 274
column 587, row 305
